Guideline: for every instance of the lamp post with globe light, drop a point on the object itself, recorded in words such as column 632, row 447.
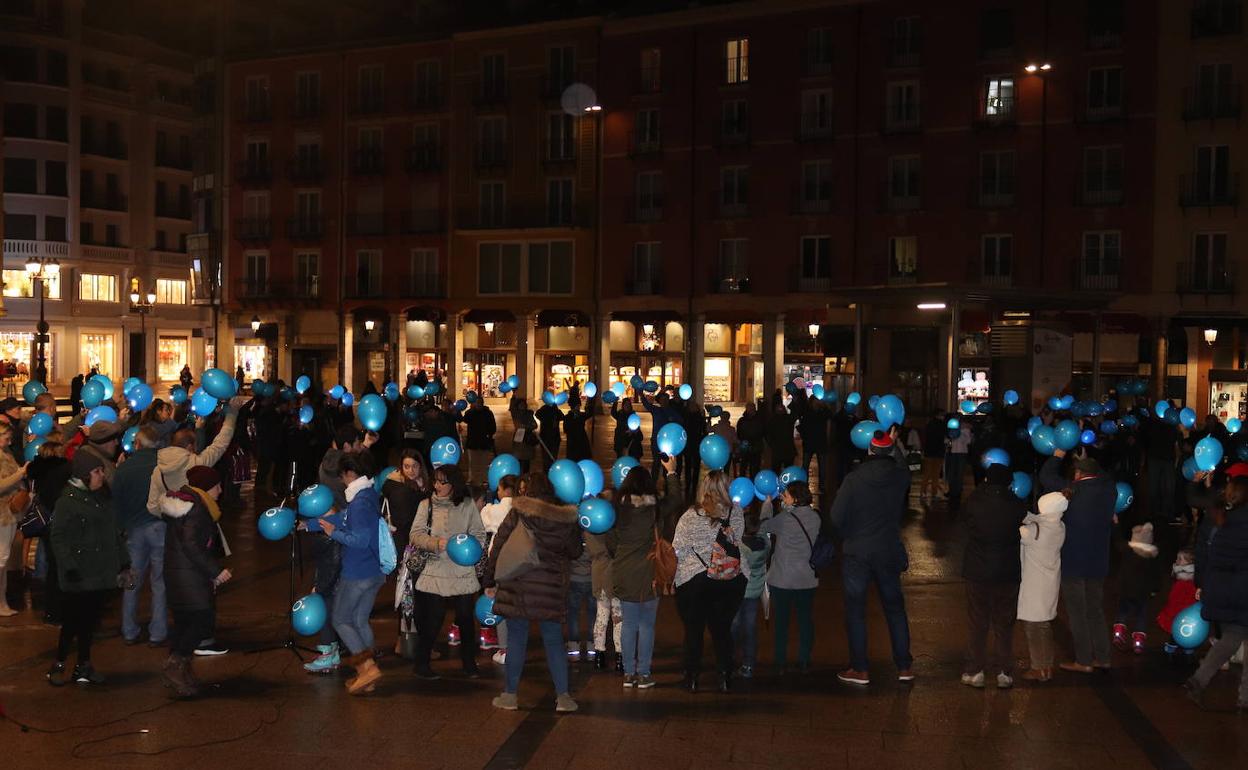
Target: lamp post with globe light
column 142, row 302
column 41, row 269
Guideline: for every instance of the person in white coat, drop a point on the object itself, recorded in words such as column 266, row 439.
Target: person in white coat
column 1041, row 552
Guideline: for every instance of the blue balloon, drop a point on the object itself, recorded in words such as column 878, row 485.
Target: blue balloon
column 592, row 473
column 461, row 405
column 391, row 391
column 561, row 398
column 379, row 480
column 714, row 451
column 106, row 413
column 984, row 407
column 1130, row 421
column 484, row 610
column 127, row 438
column 1068, row 401
column 372, row 412
column 307, row 616
column 873, row 402
column 415, row 392
column 852, row 399
column 637, row 382
column 276, row 523
column 139, row 397
column 315, row 501
column 348, row 399
column 714, row 410
column 634, row 421
column 433, row 389
column 1124, row 495
column 1233, row 425
column 685, row 391
column 830, row 396
column 766, row 484
column 995, row 456
column 1110, row 406
column 336, row 392
column 548, row 398
column 595, row 515
column 1021, row 485
column 202, row 402
column 32, row 389
column 177, row 394
column 1242, row 452
column 953, row 424
column 1189, row 469
column 40, row 424
column 302, row 384
column 471, row 396
column 445, row 451
column 465, row 550
column 967, row 406
column 651, row 387
column 621, row 467
column 411, row 414
column 590, row 390
column 791, row 474
column 1160, row 408
column 1208, row 453
column 219, row 384
column 1066, row 435
column 1187, row 416
column 513, row 382
column 569, row 483
column 503, row 387
column 862, row 433
column 306, row 413
column 1093, row 409
column 1055, row 403
column 1033, row 423
column 817, row 391
column 1172, row 416
column 1087, row 437
column 106, row 383
column 31, row 451
column 92, row 393
column 672, row 438
column 890, row 411
column 1190, row 629
column 619, row 389
column 609, row 397
column 741, row 490
column 1078, row 410
column 503, row 465
column 1043, row 440
column 1010, row 397
column 1109, row 427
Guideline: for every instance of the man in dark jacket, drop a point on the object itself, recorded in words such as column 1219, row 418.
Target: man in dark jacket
column 145, row 538
column 1085, row 555
column 867, row 515
column 480, row 441
column 751, row 432
column 661, row 413
column 780, row 435
column 993, row 571
column 813, row 428
column 549, row 418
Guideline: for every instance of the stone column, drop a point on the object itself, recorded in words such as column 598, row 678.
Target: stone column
column 348, row 350
column 398, row 340
column 695, row 367
column 281, row 350
column 600, row 361
column 526, row 342
column 223, row 341
column 773, row 352
column 454, row 353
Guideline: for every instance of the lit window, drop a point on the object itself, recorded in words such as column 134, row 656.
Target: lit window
column 97, row 288
column 737, row 60
column 170, row 291
column 18, row 283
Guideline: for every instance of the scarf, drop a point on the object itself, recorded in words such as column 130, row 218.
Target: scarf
column 355, row 487
column 214, row 510
column 1184, row 571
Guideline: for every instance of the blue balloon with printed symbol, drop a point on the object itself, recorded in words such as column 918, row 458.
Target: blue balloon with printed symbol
column 32, row 390
column 569, row 483
column 1173, row 416
column 766, row 484
column 633, row 422
column 92, row 393
column 1233, row 425
column 391, row 391
column 1208, row 453
column 308, row 614
column 465, row 550
column 219, row 384
column 1066, row 435
column 471, row 396
column 1021, row 485
column 306, row 413
column 1093, row 409
column 40, row 424
column 445, row 451
column 178, row 395
column 1043, row 440
column 714, row 451
column 1190, row 629
column 1187, row 417
column 685, row 391
column 1189, row 469
column 1010, row 397
column 203, row 403
column 590, row 390
column 302, row 384
column 372, row 412
column 484, row 610
column 561, row 398
column 127, row 439
column 1087, row 437
column 592, row 473
column 741, row 490
column 620, row 469
column 106, row 413
column 315, row 501
column 595, row 515
column 862, row 433
column 995, row 456
column 139, row 397
column 791, row 474
column 890, row 411
column 1130, row 421
column 276, row 523
column 1110, row 406
column 671, row 439
column 503, row 465
column 1124, row 495
column 31, row 450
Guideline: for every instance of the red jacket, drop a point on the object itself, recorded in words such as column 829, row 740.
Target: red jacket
column 1182, row 596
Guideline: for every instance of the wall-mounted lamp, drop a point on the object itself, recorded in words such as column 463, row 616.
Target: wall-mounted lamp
column 1211, row 336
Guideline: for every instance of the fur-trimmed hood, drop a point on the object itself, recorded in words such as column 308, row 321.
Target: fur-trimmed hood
column 533, row 508
column 638, row 501
column 175, row 507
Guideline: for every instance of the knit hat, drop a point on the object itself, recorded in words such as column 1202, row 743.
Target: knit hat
column 103, row 431
column 83, row 463
column 203, row 477
column 881, row 443
column 1088, row 465
column 999, row 474
column 1236, row 470
column 1052, row 503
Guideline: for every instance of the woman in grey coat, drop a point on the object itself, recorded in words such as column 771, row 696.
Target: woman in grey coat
column 790, row 579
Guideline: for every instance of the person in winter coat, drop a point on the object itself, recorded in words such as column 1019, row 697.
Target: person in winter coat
column 626, row 441
column 867, row 514
column 710, row 577
column 49, row 474
column 145, row 538
column 550, row 418
column 492, row 517
column 662, row 411
column 607, row 607
column 754, row 551
column 539, row 594
column 933, row 455
column 404, row 490
column 1138, row 580
column 574, row 429
column 192, row 572
column 479, row 444
column 790, row 578
column 523, row 419
column 694, row 420
column 752, row 433
column 1040, row 552
column 1182, row 595
column 1085, row 556
column 11, row 477
column 355, row 529
column 91, row 561
column 450, row 511
column 812, row 426
column 993, row 572
column 780, row 436
column 581, row 594
column 1224, row 595
column 175, row 460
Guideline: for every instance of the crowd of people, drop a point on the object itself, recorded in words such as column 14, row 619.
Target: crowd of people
column 150, row 516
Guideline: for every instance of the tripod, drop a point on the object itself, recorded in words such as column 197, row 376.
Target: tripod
column 290, row 643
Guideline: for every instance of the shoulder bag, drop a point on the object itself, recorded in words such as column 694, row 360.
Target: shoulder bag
column 822, row 550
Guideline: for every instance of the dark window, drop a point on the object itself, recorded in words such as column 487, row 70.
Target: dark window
column 56, row 125
column 1105, row 23
column 20, row 226
column 55, row 179
column 19, row 64
column 20, row 176
column 160, row 240
column 996, row 32
column 58, row 69
column 21, row 120
column 112, row 235
column 54, row 229
column 86, row 232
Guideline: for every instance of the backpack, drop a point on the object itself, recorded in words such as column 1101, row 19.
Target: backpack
column 387, row 556
column 822, row 550
column 725, row 561
column 663, row 556
column 518, row 555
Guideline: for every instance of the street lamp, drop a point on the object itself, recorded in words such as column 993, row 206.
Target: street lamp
column 369, row 325
column 142, row 303
column 813, row 329
column 40, row 269
column 255, row 324
column 1211, row 336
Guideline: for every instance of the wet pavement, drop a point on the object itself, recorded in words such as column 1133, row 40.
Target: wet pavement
column 262, row 710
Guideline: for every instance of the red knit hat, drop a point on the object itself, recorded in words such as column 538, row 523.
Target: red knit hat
column 881, row 441
column 203, row 477
column 1237, row 470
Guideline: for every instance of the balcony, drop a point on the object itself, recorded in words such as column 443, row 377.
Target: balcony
column 816, row 200
column 252, row 289
column 1106, row 195
column 729, row 285
column 995, row 111
column 520, row 217
column 105, row 148
column 306, row 109
column 424, row 158
column 368, row 163
column 733, row 133
column 427, row 99
column 1206, row 104
column 425, row 286
column 19, row 249
column 420, row 221
column 643, row 287
column 814, row 126
column 649, row 211
column 1203, row 276
column 1104, row 39
column 105, row 201
column 256, row 110
column 995, row 276
column 1102, row 113
column 253, row 228
column 491, row 157
column 644, row 145
column 902, row 119
column 308, row 170
column 816, row 62
column 1097, row 274
column 809, row 284
column 366, row 224
column 730, row 204
column 900, row 200
column 368, row 104
column 1203, row 191
column 173, row 210
column 993, row 193
column 173, row 160
column 256, row 171
column 98, row 252
column 1212, row 18
column 305, row 228
column 904, row 51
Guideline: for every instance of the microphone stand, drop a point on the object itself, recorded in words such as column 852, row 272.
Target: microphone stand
column 296, row 554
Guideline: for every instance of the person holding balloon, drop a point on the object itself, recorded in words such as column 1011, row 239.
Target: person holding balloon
column 159, row 415
column 49, row 472
column 145, row 538
column 1043, row 534
column 1182, row 595
column 579, row 413
column 493, row 515
column 479, row 443
column 790, row 576
column 549, row 417
column 524, row 438
column 752, row 435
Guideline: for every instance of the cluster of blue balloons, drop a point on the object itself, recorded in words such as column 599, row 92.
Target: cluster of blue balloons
column 555, row 399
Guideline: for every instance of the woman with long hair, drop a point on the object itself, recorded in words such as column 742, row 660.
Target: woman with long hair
column 710, row 576
column 160, row 416
column 632, row 572
column 404, row 490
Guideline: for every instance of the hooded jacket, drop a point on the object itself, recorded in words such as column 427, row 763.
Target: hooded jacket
column 1224, row 594
column 993, row 516
column 173, row 462
column 1041, row 553
column 1089, row 521
column 131, row 484
column 357, row 532
column 541, row 593
column 191, row 548
column 439, row 517
column 869, row 506
column 90, row 549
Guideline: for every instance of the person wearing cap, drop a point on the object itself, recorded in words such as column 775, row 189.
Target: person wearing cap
column 867, row 515
column 145, row 538
column 91, row 562
column 193, row 571
column 1089, row 523
column 11, row 413
column 993, row 572
column 103, row 438
column 175, row 460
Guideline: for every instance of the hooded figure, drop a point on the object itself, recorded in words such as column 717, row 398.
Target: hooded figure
column 1043, row 534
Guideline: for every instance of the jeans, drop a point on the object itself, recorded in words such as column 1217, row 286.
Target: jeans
column 1133, row 613
column 518, row 645
column 1084, row 600
column 637, row 643
column 430, row 614
column 1039, row 643
column 1160, row 475
column 785, row 600
column 955, row 469
column 81, row 611
column 745, row 631
column 1232, row 637
column 147, row 552
column 189, row 628
column 353, row 602
column 990, row 606
column 707, row 603
column 581, row 593
column 858, row 573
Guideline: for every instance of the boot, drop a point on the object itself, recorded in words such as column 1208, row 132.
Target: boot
column 1120, row 637
column 366, row 682
column 1138, row 640
column 175, row 677
column 357, row 662
column 188, row 671
column 327, row 662
column 600, row 661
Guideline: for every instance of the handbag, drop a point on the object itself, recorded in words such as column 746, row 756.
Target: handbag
column 518, row 555
column 19, row 502
column 914, row 461
column 822, row 550
column 663, row 557
column 725, row 561
column 34, row 522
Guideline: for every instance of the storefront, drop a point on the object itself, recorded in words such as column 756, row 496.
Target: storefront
column 1228, row 394
column 562, row 351
column 423, row 350
column 489, row 356
column 19, row 347
column 97, row 352
column 172, row 353
column 732, row 367
column 651, row 349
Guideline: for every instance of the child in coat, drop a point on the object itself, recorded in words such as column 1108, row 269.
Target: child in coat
column 492, row 515
column 754, row 549
column 607, row 610
column 1182, row 595
column 1137, row 582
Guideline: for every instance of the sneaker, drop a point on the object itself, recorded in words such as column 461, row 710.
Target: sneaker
column 1170, row 648
column 453, row 636
column 328, row 660
column 746, row 672
column 630, row 680
column 593, row 654
column 84, row 673
column 6, row 611
column 506, row 701
column 574, row 651
column 472, row 672
column 427, row 674
column 209, row 649
column 1120, row 637
column 564, row 704
column 852, row 676
column 489, row 639
column 56, row 675
column 905, row 676
column 131, row 642
column 1139, row 642
column 643, row 682
column 1004, row 681
column 500, row 657
column 974, row 680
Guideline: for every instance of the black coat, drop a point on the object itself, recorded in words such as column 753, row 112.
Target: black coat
column 1225, row 590
column 1089, row 521
column 192, row 541
column 868, row 509
column 402, row 500
column 542, row 592
column 481, row 428
column 993, row 516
